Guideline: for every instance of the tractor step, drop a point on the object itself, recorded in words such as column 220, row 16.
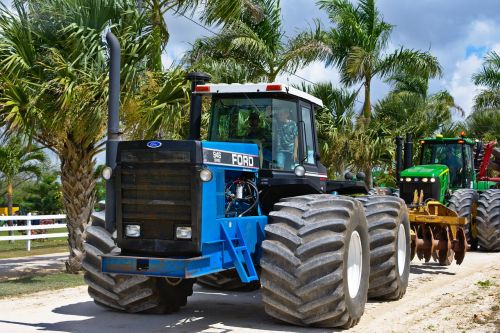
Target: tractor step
column 240, row 255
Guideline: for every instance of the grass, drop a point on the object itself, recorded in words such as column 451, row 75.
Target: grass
column 38, row 247
column 485, row 283
column 33, row 284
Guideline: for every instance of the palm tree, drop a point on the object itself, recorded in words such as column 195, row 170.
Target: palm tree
column 484, row 124
column 409, row 108
column 258, row 43
column 54, row 66
column 17, row 158
column 489, row 77
column 213, row 12
column 357, row 45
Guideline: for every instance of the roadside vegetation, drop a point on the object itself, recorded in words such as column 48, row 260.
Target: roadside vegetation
column 53, row 93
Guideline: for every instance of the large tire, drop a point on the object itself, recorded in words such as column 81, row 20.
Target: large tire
column 306, row 263
column 228, row 280
column 488, row 220
column 389, row 229
column 462, row 201
column 127, row 292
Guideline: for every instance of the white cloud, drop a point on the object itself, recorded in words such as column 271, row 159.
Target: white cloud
column 461, row 86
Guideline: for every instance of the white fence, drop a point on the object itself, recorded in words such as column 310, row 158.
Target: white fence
column 28, row 228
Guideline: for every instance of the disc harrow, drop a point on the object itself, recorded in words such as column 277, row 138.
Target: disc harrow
column 437, row 232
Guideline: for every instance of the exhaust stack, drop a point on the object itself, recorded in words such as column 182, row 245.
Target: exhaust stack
column 399, row 157
column 113, row 127
column 408, row 158
column 196, row 78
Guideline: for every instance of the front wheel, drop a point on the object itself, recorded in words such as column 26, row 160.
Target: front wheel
column 316, row 261
column 129, row 293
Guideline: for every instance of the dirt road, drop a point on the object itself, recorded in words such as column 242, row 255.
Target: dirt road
column 462, row 298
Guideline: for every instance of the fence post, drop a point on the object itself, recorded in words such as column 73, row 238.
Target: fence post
column 28, row 233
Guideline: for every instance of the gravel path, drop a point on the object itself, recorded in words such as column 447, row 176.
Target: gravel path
column 439, row 299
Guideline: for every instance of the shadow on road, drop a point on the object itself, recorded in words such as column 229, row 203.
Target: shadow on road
column 432, row 268
column 206, row 311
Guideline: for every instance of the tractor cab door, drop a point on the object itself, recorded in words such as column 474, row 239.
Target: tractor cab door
column 309, row 149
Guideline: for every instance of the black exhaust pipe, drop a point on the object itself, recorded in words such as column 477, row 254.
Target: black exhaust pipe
column 408, row 158
column 196, row 78
column 113, row 127
column 399, row 157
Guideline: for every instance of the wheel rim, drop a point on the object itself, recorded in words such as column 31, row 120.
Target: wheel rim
column 354, row 262
column 401, row 249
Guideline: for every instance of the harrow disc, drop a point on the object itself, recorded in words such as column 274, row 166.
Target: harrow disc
column 445, row 252
column 460, row 246
column 427, row 246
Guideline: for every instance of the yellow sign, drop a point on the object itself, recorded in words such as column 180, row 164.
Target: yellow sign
column 5, row 210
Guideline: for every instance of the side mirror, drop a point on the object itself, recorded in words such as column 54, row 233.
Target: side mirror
column 317, row 156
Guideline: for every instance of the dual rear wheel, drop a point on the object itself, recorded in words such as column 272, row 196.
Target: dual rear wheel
column 324, row 255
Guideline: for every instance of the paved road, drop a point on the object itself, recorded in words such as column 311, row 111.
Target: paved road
column 438, row 299
column 48, row 263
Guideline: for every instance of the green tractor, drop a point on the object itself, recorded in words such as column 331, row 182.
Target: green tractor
column 450, row 197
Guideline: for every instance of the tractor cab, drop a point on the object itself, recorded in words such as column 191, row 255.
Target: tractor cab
column 446, row 164
column 279, row 119
column 455, row 153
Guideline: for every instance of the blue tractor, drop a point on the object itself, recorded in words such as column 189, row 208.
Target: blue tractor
column 252, row 204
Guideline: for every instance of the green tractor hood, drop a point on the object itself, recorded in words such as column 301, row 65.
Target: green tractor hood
column 429, row 170
column 432, row 178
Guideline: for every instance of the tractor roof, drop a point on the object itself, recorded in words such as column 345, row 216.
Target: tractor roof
column 264, row 88
column 439, row 139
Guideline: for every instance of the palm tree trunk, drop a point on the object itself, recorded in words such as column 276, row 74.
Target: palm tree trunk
column 78, row 189
column 10, row 191
column 367, row 106
column 368, row 176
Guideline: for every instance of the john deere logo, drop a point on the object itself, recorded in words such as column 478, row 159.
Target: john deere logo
column 154, row 144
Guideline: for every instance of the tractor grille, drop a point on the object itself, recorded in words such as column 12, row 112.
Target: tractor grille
column 159, row 190
column 407, row 189
column 158, row 197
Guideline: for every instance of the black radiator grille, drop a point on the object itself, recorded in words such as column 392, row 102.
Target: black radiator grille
column 407, row 190
column 157, row 195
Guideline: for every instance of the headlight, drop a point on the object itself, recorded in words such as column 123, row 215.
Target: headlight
column 132, row 230
column 433, row 180
column 107, row 172
column 183, row 232
column 206, row 175
column 401, row 179
column 300, row 171
column 408, row 179
column 415, row 179
column 425, row 180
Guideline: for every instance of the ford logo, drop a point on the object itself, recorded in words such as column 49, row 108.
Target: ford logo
column 154, row 144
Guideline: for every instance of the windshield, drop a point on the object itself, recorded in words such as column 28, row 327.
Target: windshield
column 449, row 154
column 256, row 120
